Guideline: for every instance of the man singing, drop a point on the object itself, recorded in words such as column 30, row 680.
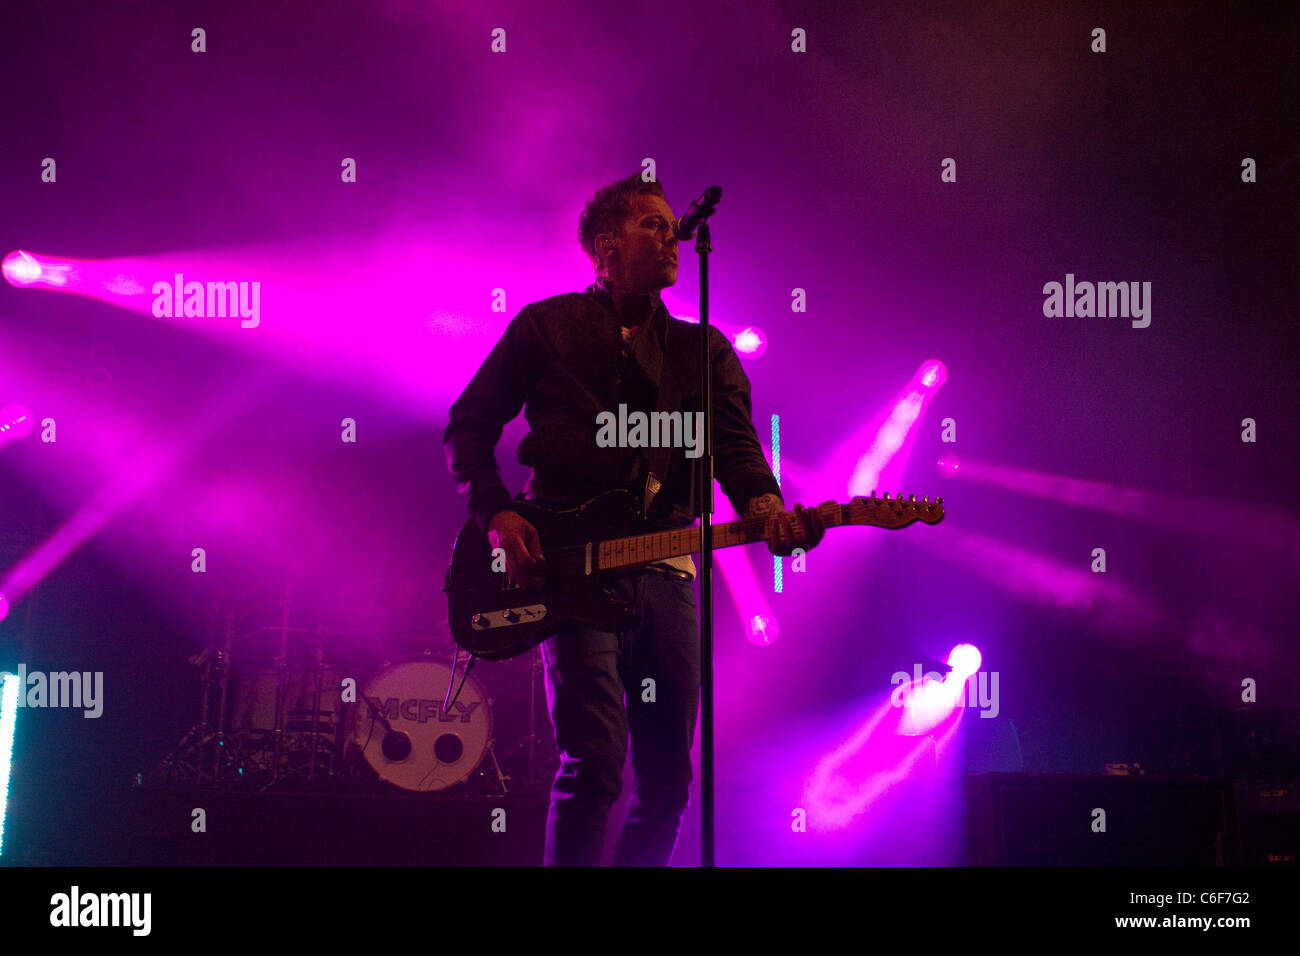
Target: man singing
column 563, row 361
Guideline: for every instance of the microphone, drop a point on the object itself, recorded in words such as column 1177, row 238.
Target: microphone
column 700, row 210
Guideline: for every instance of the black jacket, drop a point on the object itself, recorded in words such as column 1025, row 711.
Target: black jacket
column 562, row 360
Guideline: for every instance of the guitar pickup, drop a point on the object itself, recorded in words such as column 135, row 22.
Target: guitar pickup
column 528, row 613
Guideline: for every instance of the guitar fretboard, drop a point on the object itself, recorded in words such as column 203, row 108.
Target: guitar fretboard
column 648, row 548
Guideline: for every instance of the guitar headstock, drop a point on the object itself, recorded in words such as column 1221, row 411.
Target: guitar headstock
column 896, row 512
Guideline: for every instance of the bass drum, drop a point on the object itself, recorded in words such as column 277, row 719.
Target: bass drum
column 426, row 750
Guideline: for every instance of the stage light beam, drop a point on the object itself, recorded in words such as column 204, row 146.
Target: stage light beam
column 933, row 374
column 750, row 342
column 763, row 629
column 15, row 422
column 965, row 660
column 929, row 703
column 21, row 268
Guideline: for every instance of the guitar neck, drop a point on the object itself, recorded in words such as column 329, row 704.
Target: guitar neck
column 641, row 549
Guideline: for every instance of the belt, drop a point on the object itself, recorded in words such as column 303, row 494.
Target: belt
column 677, row 573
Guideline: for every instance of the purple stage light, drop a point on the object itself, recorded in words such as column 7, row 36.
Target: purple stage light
column 737, row 573
column 889, row 440
column 929, row 703
column 4, row 606
column 875, row 759
column 1050, row 582
column 948, row 466
column 1257, row 523
column 15, row 422
column 750, row 342
column 933, row 373
column 20, row 268
column 965, row 660
column 763, row 629
column 23, row 269
column 131, row 477
column 874, row 456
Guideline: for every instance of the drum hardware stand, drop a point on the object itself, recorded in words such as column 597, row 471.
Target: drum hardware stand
column 313, row 737
column 190, row 753
column 210, row 669
column 233, row 753
column 318, row 664
column 533, row 668
column 492, row 752
column 448, row 701
column 223, row 674
column 531, row 739
column 281, row 685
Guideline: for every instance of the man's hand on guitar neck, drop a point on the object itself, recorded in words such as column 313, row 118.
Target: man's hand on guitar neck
column 524, row 559
column 782, row 534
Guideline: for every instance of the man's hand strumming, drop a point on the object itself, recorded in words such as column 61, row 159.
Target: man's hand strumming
column 524, row 559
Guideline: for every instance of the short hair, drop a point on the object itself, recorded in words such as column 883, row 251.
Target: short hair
column 606, row 211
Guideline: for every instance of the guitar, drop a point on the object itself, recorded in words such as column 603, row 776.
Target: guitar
column 586, row 547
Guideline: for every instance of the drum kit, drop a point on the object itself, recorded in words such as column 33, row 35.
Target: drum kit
column 284, row 708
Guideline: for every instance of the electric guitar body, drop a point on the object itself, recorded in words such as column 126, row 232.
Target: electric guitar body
column 588, row 547
column 496, row 622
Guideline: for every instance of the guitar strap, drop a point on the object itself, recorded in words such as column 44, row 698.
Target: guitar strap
column 650, row 470
column 654, row 465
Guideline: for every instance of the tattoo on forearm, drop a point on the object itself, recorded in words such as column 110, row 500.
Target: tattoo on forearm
column 764, row 505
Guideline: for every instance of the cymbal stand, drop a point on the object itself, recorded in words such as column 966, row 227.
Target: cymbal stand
column 281, row 685
column 189, row 757
column 501, row 776
column 223, row 660
column 531, row 739
column 318, row 667
column 533, row 668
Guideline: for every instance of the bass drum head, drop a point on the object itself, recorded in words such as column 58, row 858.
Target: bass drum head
column 444, row 749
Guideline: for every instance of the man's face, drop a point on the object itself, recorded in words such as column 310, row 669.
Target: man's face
column 645, row 255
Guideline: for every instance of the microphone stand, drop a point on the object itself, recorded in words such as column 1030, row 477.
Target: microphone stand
column 703, row 246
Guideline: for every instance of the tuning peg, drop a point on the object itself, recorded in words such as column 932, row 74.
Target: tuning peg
column 925, row 499
column 938, row 501
column 886, row 496
column 873, row 494
column 912, row 497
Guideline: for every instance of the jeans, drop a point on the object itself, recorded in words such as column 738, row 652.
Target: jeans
column 597, row 691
